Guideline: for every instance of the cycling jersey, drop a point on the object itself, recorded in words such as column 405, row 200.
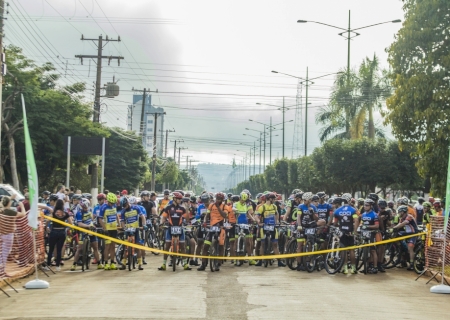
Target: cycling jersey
column 324, row 211
column 162, row 204
column 214, row 214
column 369, row 218
column 201, row 212
column 174, row 214
column 109, row 215
column 412, row 212
column 411, row 225
column 419, row 213
column 386, row 214
column 131, row 216
column 144, row 212
column 231, row 215
column 268, row 212
column 148, row 206
column 84, row 217
column 294, row 209
column 346, row 216
column 306, row 215
column 241, row 210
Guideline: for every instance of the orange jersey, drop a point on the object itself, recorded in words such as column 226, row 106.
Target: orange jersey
column 412, row 212
column 231, row 214
column 163, row 203
column 214, row 214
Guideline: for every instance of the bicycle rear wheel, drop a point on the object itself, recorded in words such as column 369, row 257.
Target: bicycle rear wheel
column 419, row 260
column 119, row 253
column 310, row 261
column 366, row 259
column 241, row 250
column 335, row 260
column 85, row 258
column 70, row 249
column 392, row 255
column 153, row 241
column 292, row 248
column 266, row 250
column 129, row 257
column 213, row 263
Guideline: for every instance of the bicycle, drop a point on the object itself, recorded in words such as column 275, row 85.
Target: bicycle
column 176, row 232
column 310, row 246
column 364, row 257
column 292, row 246
column 335, row 260
column 267, row 229
column 131, row 256
column 86, row 254
column 151, row 237
column 214, row 248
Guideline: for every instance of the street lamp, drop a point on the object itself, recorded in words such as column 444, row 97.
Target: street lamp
column 307, row 84
column 260, row 141
column 254, row 152
column 348, row 37
column 283, row 110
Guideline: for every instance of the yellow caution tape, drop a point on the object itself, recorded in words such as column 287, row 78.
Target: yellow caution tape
column 278, row 256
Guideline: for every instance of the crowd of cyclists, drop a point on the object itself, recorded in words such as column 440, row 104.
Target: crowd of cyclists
column 238, row 225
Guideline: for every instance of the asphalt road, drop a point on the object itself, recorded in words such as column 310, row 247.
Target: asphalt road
column 233, row 293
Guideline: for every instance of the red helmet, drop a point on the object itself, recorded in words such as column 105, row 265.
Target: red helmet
column 101, row 196
column 220, row 196
column 124, row 192
column 177, row 195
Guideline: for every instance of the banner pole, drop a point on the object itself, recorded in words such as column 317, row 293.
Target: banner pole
column 37, row 283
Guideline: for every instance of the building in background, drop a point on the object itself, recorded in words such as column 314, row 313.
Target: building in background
column 134, row 123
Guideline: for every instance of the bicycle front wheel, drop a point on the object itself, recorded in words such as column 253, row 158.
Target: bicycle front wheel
column 85, row 258
column 292, row 248
column 334, row 260
column 310, row 261
column 266, row 250
column 419, row 260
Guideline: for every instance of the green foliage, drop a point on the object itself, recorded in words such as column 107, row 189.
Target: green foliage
column 126, row 163
column 419, row 109
column 169, row 173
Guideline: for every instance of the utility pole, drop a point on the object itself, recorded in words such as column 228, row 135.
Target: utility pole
column 175, row 149
column 270, row 151
column 260, row 151
column 2, row 12
column 306, row 114
column 154, row 148
column 179, row 154
column 96, row 117
column 283, row 109
column 254, row 162
column 167, row 136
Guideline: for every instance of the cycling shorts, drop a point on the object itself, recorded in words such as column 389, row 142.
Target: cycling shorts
column 247, row 233
column 410, row 241
column 347, row 240
column 201, row 232
column 91, row 237
column 182, row 236
column 209, row 237
column 112, row 234
column 273, row 234
column 231, row 233
column 137, row 236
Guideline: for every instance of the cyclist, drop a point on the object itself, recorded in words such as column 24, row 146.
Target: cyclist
column 419, row 210
column 306, row 218
column 173, row 215
column 108, row 221
column 132, row 216
column 142, row 226
column 85, row 219
column 267, row 214
column 74, row 208
column 408, row 226
column 292, row 207
column 346, row 217
column 101, row 198
column 216, row 214
column 374, row 197
column 391, row 206
column 437, row 208
column 427, row 212
column 163, row 202
column 324, row 210
column 45, row 197
column 229, row 201
column 384, row 218
column 231, row 231
column 369, row 221
column 200, row 216
column 244, row 212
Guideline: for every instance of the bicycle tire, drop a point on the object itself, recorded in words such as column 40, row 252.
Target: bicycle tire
column 70, row 249
column 119, row 253
column 240, row 245
column 266, row 250
column 85, row 258
column 391, row 256
column 292, row 248
column 153, row 241
column 311, row 264
column 174, row 250
column 281, row 243
column 212, row 253
column 335, row 260
column 366, row 259
column 359, row 258
column 419, row 260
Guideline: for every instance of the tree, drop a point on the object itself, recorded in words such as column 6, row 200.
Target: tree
column 419, row 109
column 169, row 172
column 126, row 163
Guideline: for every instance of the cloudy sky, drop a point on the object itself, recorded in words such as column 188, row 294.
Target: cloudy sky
column 210, row 61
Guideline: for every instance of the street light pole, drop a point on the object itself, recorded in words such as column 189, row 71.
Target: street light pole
column 306, row 114
column 260, row 151
column 283, row 130
column 270, row 151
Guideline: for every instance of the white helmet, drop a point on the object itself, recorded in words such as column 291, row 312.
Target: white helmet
column 132, row 200
column 307, row 196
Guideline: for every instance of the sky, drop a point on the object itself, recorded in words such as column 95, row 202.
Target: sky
column 210, row 61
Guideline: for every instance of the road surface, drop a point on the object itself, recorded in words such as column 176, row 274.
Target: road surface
column 233, row 293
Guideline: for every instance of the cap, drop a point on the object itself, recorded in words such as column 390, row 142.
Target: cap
column 124, row 192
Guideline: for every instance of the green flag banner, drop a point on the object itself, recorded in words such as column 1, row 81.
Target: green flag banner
column 33, row 188
column 447, row 194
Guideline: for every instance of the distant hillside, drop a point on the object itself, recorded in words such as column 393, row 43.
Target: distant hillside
column 214, row 175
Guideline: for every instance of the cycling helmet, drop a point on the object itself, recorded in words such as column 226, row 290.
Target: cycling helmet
column 101, row 196
column 166, row 192
column 369, row 202
column 180, row 191
column 427, row 204
column 437, row 202
column 298, row 195
column 85, row 204
column 263, row 198
column 258, row 195
column 53, row 197
column 47, row 193
column 229, row 195
column 347, row 197
column 271, row 195
column 373, row 196
column 330, row 201
column 296, row 191
column 124, row 202
column 402, row 209
column 420, row 200
column 382, row 203
column 244, row 196
column 211, row 196
column 187, row 194
column 87, row 196
column 361, row 201
column 390, row 204
column 220, row 196
column 193, row 199
column 235, row 198
column 111, row 198
column 321, row 195
column 204, row 197
column 177, row 195
column 132, row 200
column 315, row 198
column 76, row 197
column 337, row 200
column 307, row 196
column 145, row 193
column 246, row 191
column 403, row 201
column 431, row 199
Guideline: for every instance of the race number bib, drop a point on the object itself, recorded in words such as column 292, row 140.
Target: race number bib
column 175, row 230
column 310, row 231
column 215, row 229
column 268, row 227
